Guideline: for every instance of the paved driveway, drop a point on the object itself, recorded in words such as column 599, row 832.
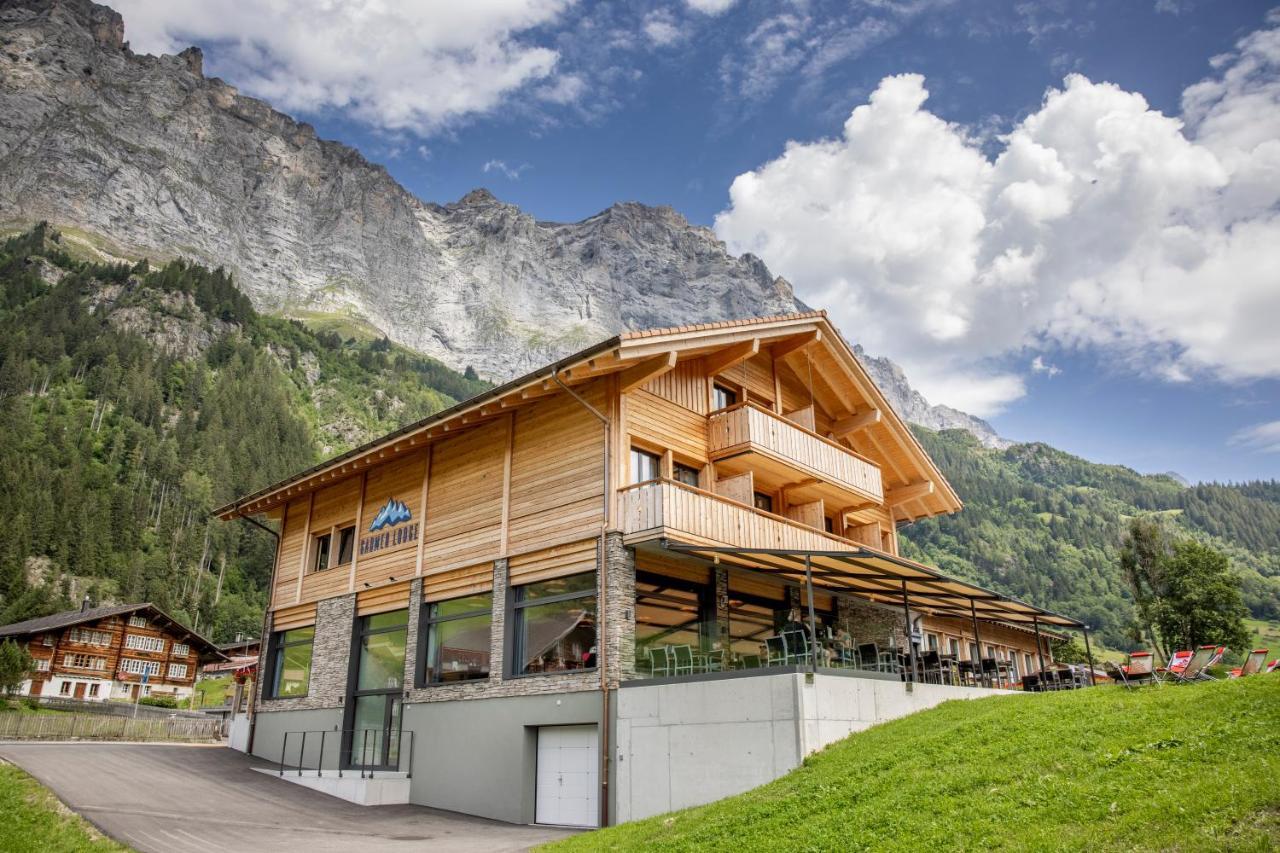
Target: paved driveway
column 173, row 798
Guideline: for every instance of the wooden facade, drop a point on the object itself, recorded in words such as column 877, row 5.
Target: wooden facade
column 103, row 654
column 766, row 433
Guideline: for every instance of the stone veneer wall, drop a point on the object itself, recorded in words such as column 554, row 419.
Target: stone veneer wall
column 335, row 620
column 871, row 623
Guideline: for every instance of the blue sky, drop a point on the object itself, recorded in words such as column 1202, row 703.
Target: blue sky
column 1062, row 293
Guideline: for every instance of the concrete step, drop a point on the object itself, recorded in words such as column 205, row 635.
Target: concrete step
column 386, row 788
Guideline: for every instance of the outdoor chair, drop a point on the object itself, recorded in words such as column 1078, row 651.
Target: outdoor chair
column 748, row 661
column 871, row 658
column 797, row 646
column 1179, row 660
column 1139, row 670
column 660, row 661
column 1202, row 658
column 990, row 672
column 682, row 660
column 1273, row 666
column 1252, row 664
column 931, row 667
column 776, row 651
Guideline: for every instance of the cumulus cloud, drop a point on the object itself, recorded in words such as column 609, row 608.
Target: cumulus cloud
column 396, row 66
column 1039, row 365
column 1264, row 437
column 1098, row 222
column 661, row 28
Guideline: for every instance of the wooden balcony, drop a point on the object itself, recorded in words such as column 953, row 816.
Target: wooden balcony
column 665, row 507
column 783, row 454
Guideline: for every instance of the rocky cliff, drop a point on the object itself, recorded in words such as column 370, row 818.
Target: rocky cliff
column 145, row 156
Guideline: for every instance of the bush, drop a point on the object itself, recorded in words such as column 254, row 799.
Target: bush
column 159, row 701
column 31, row 702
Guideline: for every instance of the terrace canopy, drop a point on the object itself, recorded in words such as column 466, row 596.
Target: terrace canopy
column 886, row 579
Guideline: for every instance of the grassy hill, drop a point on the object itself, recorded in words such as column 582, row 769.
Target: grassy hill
column 1162, row 768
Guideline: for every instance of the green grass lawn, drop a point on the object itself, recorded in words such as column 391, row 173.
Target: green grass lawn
column 1265, row 635
column 212, row 692
column 33, row 821
column 1161, row 768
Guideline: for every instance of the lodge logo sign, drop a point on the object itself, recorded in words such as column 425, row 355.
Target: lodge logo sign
column 389, row 528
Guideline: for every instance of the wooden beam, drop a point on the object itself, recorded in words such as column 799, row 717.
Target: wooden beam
column 907, row 493
column 651, row 368
column 784, row 348
column 852, row 423
column 721, row 360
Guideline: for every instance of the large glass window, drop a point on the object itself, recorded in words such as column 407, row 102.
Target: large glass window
column 645, row 466
column 456, row 636
column 382, row 651
column 555, row 625
column 291, row 673
column 686, row 474
column 675, row 627
column 374, row 718
column 755, row 614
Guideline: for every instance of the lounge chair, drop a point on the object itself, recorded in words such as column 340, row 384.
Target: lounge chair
column 1178, row 662
column 1252, row 664
column 1194, row 670
column 1273, row 666
column 1138, row 671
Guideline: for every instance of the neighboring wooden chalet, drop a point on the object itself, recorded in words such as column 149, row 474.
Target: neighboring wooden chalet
column 119, row 652
column 697, row 505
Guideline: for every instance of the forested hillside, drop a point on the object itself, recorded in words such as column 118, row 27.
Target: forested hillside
column 133, row 401
column 1045, row 526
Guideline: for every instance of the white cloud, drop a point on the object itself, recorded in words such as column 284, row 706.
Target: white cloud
column 1264, row 437
column 710, row 7
column 397, row 66
column 661, row 29
column 1099, row 222
column 511, row 173
column 1039, row 365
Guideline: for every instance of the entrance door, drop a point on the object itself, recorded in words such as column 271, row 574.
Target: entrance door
column 372, row 739
column 568, row 776
column 37, row 686
column 79, row 689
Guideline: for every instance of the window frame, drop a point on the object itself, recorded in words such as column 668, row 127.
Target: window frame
column 335, row 557
column 635, row 477
column 719, row 387
column 185, row 669
column 677, row 465
column 756, row 498
column 147, row 639
column 426, row 622
column 321, row 547
column 514, row 647
column 136, row 621
column 278, row 645
column 186, row 650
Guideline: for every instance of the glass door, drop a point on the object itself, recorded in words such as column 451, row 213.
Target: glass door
column 375, row 692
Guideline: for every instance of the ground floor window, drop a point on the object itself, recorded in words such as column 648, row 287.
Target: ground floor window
column 456, row 634
column 93, row 689
column 376, row 686
column 64, row 689
column 675, row 626
column 291, row 667
column 555, row 625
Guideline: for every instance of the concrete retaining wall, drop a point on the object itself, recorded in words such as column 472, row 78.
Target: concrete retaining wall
column 683, row 744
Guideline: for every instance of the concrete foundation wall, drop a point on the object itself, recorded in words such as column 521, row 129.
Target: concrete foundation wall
column 683, row 744
column 479, row 756
column 271, row 726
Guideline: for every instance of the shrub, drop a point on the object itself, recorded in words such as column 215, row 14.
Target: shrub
column 159, row 701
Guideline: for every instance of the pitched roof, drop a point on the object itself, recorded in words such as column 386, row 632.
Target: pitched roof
column 69, row 618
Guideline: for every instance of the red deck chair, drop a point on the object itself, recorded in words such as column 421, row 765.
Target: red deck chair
column 1138, row 671
column 1178, row 662
column 1252, row 664
column 1273, row 666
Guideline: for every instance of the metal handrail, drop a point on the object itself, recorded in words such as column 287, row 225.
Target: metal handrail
column 299, row 766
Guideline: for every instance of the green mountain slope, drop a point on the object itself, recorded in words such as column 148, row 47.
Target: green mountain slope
column 1173, row 768
column 1046, row 526
column 133, row 401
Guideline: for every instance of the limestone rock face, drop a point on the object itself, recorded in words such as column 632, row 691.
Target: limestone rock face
column 145, row 156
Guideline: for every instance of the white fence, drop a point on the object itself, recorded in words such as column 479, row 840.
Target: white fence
column 15, row 725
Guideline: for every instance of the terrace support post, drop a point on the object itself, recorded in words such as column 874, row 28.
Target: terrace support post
column 1035, row 622
column 813, row 619
column 978, row 674
column 1088, row 653
column 911, row 647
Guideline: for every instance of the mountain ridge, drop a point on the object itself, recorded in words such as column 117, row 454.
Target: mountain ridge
column 310, row 226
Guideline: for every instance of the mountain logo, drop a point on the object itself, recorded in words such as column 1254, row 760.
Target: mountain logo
column 390, row 515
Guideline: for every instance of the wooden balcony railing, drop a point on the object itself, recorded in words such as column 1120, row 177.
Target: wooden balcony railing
column 746, row 427
column 710, row 518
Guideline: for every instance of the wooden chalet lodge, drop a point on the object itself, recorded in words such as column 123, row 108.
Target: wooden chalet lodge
column 651, row 574
column 122, row 652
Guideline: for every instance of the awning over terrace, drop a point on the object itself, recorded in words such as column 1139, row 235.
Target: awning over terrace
column 886, row 579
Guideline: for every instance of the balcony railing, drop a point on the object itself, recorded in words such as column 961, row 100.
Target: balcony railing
column 747, row 428
column 715, row 519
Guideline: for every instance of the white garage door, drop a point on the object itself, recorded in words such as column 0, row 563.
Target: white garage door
column 568, row 776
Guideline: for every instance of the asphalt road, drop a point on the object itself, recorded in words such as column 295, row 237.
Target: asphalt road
column 175, row 798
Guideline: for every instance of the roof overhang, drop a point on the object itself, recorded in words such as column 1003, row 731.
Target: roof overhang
column 885, row 579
